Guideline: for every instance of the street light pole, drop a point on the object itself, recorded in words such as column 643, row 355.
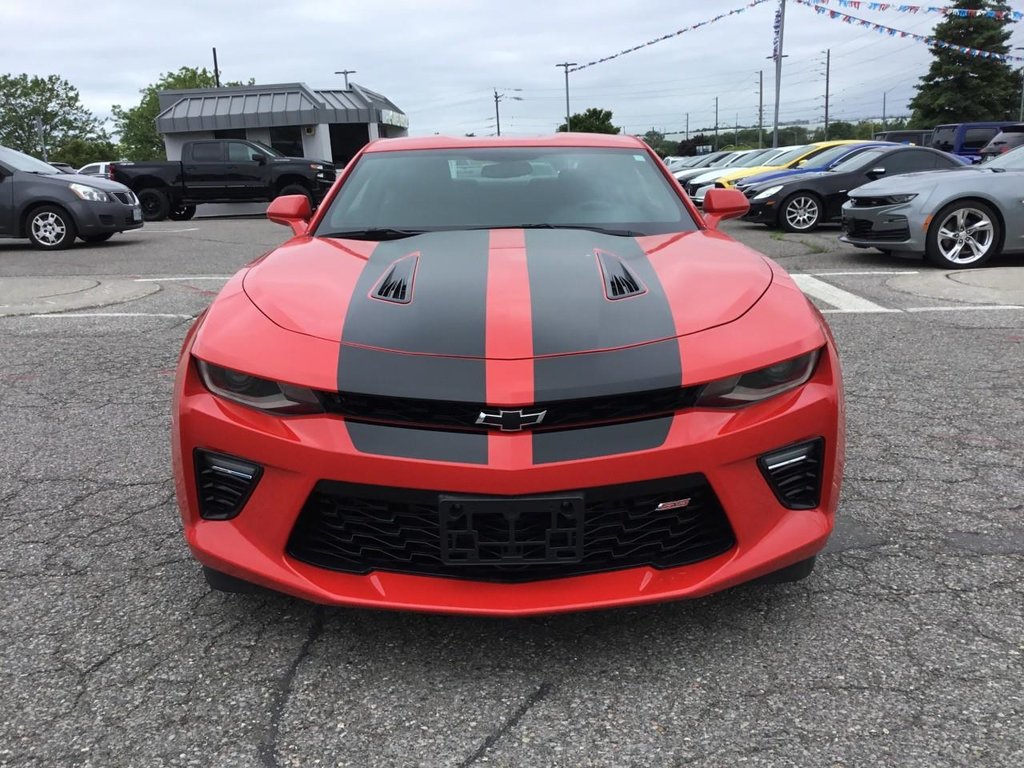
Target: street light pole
column 778, row 72
column 565, row 65
column 1021, row 117
column 760, row 109
column 346, row 73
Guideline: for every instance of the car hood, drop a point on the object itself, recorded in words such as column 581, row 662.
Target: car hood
column 507, row 294
column 912, row 182
column 64, row 179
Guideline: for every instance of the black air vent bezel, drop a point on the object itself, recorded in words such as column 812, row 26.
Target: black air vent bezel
column 619, row 282
column 209, row 508
column 400, row 273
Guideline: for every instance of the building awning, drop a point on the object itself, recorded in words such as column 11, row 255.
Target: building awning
column 268, row 106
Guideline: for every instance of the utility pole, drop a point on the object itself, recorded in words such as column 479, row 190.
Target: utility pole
column 42, row 138
column 497, row 98
column 688, row 126
column 828, row 73
column 565, row 65
column 736, row 130
column 760, row 109
column 346, row 73
column 778, row 71
column 884, row 94
column 716, row 123
column 1021, row 118
column 216, row 69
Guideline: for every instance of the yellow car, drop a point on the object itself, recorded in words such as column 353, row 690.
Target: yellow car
column 796, row 155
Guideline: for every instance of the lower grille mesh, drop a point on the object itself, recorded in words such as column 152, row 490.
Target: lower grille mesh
column 359, row 528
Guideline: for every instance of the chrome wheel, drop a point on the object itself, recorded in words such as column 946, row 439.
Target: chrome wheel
column 48, row 229
column 965, row 236
column 802, row 213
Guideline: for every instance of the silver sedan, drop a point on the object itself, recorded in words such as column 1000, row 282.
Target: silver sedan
column 958, row 219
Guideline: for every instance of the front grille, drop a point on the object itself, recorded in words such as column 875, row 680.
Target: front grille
column 864, row 228
column 125, row 197
column 462, row 417
column 363, row 528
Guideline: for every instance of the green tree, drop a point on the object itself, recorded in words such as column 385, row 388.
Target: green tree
column 136, row 125
column 594, row 120
column 78, row 152
column 960, row 87
column 656, row 141
column 53, row 100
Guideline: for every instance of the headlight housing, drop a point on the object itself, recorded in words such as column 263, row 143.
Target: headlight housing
column 93, row 195
column 754, row 386
column 770, row 192
column 254, row 392
column 896, row 199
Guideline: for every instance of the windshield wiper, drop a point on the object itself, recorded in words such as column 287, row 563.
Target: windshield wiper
column 588, row 227
column 378, row 233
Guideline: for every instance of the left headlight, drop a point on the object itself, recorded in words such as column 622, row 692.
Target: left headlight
column 759, row 385
column 91, row 194
column 263, row 394
column 765, row 193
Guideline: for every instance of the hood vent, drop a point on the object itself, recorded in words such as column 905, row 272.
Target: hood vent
column 619, row 282
column 397, row 284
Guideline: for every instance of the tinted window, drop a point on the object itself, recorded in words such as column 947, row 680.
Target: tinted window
column 907, row 161
column 240, row 153
column 1013, row 160
column 976, row 138
column 944, row 137
column 792, row 156
column 829, row 156
column 484, row 188
column 287, row 140
column 206, row 151
column 19, row 161
column 863, row 160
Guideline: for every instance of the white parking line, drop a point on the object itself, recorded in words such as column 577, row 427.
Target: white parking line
column 842, row 301
column 150, row 230
column 177, row 279
column 864, row 272
column 963, row 308
column 68, row 315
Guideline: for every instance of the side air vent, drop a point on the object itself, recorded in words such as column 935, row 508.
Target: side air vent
column 619, row 282
column 794, row 474
column 397, row 284
column 223, row 484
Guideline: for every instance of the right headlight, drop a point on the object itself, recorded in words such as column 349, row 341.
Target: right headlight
column 91, row 194
column 263, row 394
column 770, row 192
column 759, row 385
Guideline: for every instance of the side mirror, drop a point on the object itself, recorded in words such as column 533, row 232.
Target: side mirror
column 259, row 158
column 292, row 210
column 876, row 173
column 801, row 164
column 721, row 204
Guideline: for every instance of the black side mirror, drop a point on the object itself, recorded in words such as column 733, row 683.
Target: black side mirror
column 259, row 158
column 876, row 173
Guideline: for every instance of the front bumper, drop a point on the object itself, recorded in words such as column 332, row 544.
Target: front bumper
column 890, row 227
column 763, row 211
column 100, row 218
column 298, row 455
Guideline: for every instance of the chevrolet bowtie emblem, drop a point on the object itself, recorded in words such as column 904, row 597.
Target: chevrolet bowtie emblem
column 511, row 421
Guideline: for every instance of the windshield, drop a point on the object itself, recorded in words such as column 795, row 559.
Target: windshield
column 858, row 161
column 1011, row 161
column 736, row 160
column 494, row 187
column 754, row 159
column 792, row 156
column 829, row 156
column 19, row 161
column 269, row 150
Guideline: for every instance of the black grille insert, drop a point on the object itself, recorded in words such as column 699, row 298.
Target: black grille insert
column 897, row 231
column 362, row 528
column 223, row 483
column 462, row 417
column 794, row 473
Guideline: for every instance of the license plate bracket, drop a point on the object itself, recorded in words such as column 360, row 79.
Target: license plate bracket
column 534, row 530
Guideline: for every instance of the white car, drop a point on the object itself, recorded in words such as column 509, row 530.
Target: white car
column 95, row 169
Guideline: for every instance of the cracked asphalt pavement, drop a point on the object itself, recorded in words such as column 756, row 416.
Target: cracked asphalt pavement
column 905, row 647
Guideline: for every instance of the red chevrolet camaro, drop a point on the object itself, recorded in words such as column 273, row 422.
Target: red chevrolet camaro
column 508, row 377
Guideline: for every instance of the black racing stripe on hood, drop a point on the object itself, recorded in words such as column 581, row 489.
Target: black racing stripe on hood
column 447, row 311
column 600, row 374
column 570, row 310
column 427, row 445
column 424, row 377
column 573, row 444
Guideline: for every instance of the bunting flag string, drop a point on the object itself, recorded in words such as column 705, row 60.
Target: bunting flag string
column 884, row 30
column 670, row 35
column 860, row 5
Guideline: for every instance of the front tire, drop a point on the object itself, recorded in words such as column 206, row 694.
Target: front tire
column 92, row 239
column 155, row 204
column 800, row 212
column 182, row 213
column 963, row 235
column 51, row 228
column 296, row 189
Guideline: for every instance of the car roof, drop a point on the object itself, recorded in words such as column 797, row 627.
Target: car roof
column 557, row 140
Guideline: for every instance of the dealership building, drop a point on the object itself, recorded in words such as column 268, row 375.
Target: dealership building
column 292, row 118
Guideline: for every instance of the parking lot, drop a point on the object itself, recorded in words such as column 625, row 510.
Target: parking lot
column 905, row 647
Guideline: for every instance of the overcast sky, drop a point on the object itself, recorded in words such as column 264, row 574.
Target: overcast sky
column 439, row 60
